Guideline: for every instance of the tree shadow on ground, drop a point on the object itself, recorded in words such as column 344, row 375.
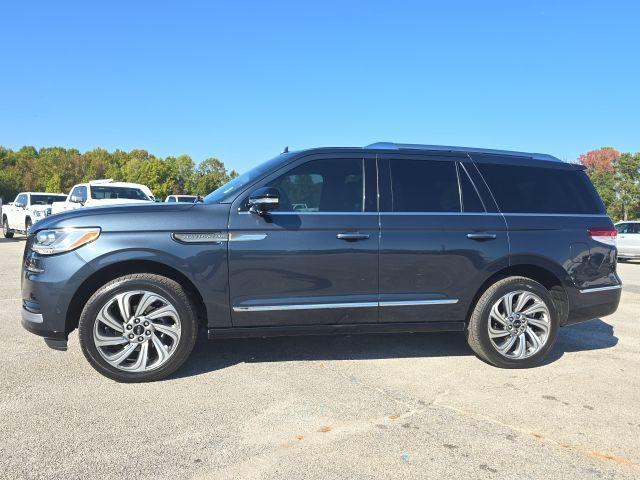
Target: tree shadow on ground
column 209, row 356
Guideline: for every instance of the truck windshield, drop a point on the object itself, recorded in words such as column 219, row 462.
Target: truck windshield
column 47, row 199
column 227, row 191
column 105, row 193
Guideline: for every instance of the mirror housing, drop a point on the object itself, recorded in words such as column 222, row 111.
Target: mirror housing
column 264, row 199
column 20, row 205
column 75, row 199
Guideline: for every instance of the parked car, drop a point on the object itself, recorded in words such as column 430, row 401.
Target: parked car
column 103, row 192
column 27, row 209
column 504, row 247
column 182, row 199
column 628, row 240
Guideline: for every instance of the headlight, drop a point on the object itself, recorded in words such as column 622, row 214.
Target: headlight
column 50, row 242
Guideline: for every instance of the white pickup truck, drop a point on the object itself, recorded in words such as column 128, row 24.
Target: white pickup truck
column 103, row 192
column 27, row 209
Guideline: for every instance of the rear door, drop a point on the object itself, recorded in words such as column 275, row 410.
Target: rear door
column 314, row 260
column 441, row 237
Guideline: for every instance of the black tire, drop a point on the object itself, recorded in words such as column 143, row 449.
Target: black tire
column 27, row 225
column 169, row 290
column 6, row 231
column 477, row 329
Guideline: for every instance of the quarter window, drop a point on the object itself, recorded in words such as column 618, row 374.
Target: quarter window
column 334, row 185
column 525, row 189
column 424, row 186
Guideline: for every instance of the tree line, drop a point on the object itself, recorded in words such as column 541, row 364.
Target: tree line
column 57, row 169
column 616, row 176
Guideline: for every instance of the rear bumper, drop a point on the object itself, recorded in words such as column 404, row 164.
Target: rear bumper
column 590, row 303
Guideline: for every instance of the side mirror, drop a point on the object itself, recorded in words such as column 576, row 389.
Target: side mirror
column 21, row 205
column 75, row 199
column 264, row 199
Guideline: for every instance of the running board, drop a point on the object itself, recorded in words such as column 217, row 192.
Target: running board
column 344, row 329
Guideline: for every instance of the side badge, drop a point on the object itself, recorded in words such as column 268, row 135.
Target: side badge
column 201, row 237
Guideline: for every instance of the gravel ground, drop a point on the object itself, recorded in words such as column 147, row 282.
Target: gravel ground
column 371, row 406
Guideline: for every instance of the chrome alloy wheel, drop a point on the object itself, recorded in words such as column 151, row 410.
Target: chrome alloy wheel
column 137, row 331
column 519, row 324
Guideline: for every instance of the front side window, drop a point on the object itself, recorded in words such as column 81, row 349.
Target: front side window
column 622, row 228
column 171, row 199
column 424, row 186
column 332, row 185
column 22, row 199
column 108, row 193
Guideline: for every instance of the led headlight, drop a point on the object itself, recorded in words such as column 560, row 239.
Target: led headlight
column 50, row 242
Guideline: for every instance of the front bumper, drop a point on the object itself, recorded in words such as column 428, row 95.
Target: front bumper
column 48, row 286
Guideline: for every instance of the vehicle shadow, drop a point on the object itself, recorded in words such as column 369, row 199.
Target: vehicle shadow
column 209, row 356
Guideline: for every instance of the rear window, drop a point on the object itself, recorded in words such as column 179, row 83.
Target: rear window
column 108, row 193
column 524, row 189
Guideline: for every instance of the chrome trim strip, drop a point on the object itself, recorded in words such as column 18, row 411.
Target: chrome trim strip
column 410, row 303
column 319, row 306
column 310, row 306
column 246, row 237
column 31, row 317
column 600, row 289
column 200, row 237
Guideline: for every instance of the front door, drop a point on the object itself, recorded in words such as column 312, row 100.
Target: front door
column 313, row 260
column 441, row 237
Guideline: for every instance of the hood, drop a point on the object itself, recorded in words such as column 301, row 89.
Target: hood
column 143, row 216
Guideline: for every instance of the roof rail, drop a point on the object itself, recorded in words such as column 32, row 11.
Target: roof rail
column 444, row 148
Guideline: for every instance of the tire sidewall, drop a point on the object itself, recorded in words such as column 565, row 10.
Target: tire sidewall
column 89, row 315
column 483, row 334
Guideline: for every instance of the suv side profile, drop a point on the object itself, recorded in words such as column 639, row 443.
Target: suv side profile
column 505, row 247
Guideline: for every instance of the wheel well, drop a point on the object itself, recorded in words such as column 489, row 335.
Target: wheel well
column 111, row 272
column 541, row 275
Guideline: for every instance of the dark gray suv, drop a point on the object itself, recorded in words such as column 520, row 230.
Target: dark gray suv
column 505, row 247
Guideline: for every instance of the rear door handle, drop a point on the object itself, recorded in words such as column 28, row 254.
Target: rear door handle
column 352, row 236
column 481, row 236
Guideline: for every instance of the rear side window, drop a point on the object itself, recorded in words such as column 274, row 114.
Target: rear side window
column 525, row 189
column 424, row 186
column 471, row 201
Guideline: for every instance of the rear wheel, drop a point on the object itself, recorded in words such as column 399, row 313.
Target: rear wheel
column 138, row 328
column 514, row 323
column 6, row 231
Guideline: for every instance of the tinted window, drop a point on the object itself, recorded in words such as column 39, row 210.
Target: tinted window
column 470, row 199
column 171, row 199
column 322, row 186
column 520, row 189
column 187, row 199
column 628, row 228
column 100, row 193
column 46, row 199
column 424, row 186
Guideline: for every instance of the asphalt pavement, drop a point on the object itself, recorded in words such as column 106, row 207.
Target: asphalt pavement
column 402, row 406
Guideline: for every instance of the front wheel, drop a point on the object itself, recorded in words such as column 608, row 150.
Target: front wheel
column 27, row 226
column 6, row 231
column 138, row 328
column 514, row 323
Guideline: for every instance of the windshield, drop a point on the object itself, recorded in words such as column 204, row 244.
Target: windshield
column 129, row 193
column 47, row 199
column 229, row 189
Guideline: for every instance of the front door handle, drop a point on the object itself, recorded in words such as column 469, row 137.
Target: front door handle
column 481, row 236
column 352, row 236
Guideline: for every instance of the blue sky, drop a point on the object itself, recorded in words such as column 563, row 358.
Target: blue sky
column 240, row 80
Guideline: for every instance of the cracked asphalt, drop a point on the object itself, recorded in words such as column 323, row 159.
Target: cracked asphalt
column 371, row 406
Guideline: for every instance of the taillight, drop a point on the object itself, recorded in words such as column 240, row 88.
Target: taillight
column 604, row 235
